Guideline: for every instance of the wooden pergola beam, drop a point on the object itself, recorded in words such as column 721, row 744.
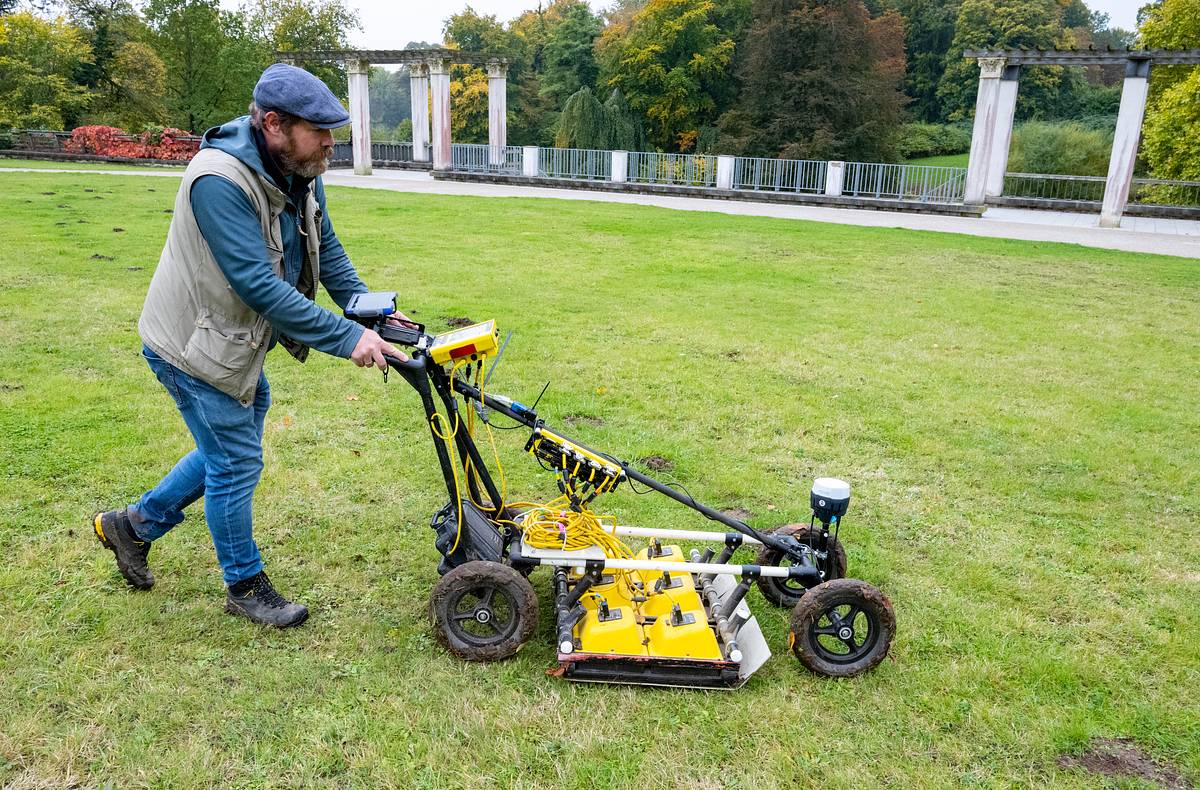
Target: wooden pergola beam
column 406, row 57
column 1089, row 57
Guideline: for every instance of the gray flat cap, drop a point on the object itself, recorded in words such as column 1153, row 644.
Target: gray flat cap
column 285, row 88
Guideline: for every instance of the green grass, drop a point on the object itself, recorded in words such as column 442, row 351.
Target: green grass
column 949, row 160
column 1019, row 422
column 62, row 164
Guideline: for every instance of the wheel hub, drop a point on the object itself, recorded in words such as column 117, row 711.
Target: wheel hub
column 845, row 632
column 483, row 616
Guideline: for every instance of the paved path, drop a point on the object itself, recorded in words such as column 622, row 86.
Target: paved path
column 1137, row 234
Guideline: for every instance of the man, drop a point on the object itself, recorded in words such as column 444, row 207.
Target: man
column 248, row 243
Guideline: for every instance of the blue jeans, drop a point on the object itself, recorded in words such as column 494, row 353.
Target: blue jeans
column 224, row 468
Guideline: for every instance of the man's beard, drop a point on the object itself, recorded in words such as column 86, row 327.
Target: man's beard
column 305, row 168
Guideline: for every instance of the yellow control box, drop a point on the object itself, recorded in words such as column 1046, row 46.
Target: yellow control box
column 617, row 632
column 667, row 590
column 682, row 634
column 469, row 343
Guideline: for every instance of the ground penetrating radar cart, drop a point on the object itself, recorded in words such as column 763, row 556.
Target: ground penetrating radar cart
column 652, row 616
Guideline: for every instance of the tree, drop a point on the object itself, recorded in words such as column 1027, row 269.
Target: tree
column 469, row 98
column 583, row 123
column 673, row 65
column 391, row 95
column 820, row 80
column 135, row 88
column 1171, row 133
column 37, row 61
column 297, row 25
column 929, row 30
column 1002, row 24
column 625, row 131
column 212, row 61
column 570, row 60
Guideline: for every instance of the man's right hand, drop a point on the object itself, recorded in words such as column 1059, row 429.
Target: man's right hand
column 371, row 348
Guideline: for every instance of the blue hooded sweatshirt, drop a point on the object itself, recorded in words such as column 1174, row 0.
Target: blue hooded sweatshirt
column 233, row 232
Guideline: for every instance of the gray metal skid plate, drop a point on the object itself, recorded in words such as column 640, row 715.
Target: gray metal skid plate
column 749, row 637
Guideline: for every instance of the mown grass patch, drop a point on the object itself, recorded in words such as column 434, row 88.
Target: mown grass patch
column 1019, row 422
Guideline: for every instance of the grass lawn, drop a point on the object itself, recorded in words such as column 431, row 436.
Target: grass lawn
column 949, row 160
column 62, row 164
column 1020, row 423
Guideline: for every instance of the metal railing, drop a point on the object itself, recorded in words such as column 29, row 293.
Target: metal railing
column 476, row 158
column 1090, row 189
column 924, row 183
column 694, row 170
column 779, row 175
column 1160, row 192
column 585, row 163
column 382, row 153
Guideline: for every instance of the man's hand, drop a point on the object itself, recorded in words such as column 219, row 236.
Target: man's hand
column 400, row 319
column 371, row 348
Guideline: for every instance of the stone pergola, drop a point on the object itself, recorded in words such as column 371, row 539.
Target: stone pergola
column 429, row 73
column 996, row 102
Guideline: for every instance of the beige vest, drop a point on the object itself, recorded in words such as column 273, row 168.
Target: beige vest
column 192, row 317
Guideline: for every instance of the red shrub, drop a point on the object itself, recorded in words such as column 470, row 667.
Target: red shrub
column 109, row 141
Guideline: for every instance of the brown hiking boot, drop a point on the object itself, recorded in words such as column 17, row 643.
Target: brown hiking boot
column 116, row 534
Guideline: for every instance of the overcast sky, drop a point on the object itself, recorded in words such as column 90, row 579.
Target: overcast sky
column 388, row 24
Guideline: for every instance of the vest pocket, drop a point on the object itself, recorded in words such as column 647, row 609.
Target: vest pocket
column 219, row 352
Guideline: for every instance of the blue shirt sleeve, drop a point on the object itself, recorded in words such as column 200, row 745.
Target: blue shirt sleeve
column 233, row 232
column 337, row 273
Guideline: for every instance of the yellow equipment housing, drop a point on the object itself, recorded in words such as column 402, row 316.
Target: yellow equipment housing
column 649, row 627
column 677, row 588
column 618, row 634
column 473, row 343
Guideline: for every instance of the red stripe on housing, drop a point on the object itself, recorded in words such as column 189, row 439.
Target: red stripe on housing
column 462, row 351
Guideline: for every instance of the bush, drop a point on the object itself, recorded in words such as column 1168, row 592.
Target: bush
column 1067, row 148
column 6, row 139
column 917, row 140
column 155, row 143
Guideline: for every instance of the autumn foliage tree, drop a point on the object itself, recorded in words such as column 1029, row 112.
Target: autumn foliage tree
column 673, row 64
column 820, row 79
column 1171, row 135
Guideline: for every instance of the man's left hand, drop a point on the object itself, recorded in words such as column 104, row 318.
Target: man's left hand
column 400, row 319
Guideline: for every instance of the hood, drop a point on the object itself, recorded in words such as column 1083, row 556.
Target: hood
column 237, row 139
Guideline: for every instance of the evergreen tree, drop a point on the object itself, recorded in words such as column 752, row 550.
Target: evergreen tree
column 929, row 30
column 820, row 80
column 569, row 55
column 625, row 130
column 583, row 123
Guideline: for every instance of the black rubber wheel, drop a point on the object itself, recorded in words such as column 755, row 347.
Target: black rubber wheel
column 842, row 628
column 483, row 611
column 787, row 592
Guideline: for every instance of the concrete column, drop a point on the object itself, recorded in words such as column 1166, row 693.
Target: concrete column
column 439, row 86
column 418, row 80
column 620, row 166
column 835, row 177
column 724, row 172
column 529, row 161
column 497, row 72
column 1125, row 143
column 990, row 71
column 360, row 115
column 1006, row 106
